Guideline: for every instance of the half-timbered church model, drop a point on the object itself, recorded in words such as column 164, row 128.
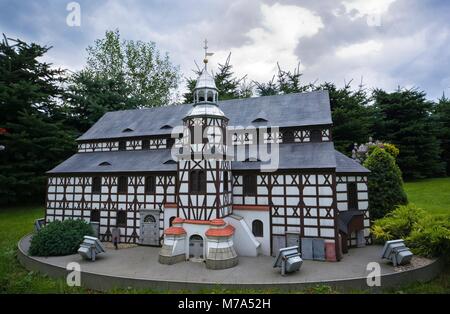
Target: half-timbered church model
column 194, row 179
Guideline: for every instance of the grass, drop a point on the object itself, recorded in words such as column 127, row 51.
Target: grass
column 432, row 195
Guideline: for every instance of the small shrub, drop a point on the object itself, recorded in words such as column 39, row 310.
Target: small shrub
column 60, row 238
column 431, row 237
column 385, row 183
column 398, row 224
column 425, row 234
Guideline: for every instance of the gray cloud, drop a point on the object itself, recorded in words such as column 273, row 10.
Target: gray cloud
column 411, row 47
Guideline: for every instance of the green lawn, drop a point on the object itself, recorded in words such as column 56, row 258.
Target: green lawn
column 432, row 195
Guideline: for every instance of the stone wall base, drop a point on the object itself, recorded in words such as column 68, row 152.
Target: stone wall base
column 221, row 264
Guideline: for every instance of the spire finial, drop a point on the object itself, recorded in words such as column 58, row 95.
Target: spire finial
column 207, row 54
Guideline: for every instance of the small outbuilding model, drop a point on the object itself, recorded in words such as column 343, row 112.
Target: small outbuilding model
column 216, row 180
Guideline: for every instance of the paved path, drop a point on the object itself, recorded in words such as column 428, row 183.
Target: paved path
column 141, row 263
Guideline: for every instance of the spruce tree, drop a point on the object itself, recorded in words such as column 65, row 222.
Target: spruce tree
column 33, row 136
column 442, row 117
column 403, row 118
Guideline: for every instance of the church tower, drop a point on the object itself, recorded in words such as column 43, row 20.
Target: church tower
column 200, row 231
column 204, row 173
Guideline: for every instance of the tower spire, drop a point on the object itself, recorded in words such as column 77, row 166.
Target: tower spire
column 207, row 54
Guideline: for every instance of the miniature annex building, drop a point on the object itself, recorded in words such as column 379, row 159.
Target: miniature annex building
column 192, row 179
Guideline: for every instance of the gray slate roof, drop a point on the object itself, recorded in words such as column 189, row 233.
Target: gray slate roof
column 302, row 109
column 292, row 156
column 346, row 164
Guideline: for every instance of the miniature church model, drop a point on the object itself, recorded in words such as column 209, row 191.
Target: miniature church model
column 216, row 180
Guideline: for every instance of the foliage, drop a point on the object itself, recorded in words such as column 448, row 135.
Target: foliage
column 397, row 224
column 120, row 74
column 404, row 118
column 442, row 118
column 60, row 238
column 35, row 139
column 424, row 234
column 431, row 236
column 385, row 183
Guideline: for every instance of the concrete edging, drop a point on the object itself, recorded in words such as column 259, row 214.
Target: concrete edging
column 103, row 282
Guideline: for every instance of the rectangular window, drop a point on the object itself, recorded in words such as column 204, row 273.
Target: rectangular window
column 122, row 145
column 197, row 181
column 170, row 142
column 122, row 184
column 122, row 218
column 249, row 184
column 352, row 196
column 96, row 185
column 95, row 215
column 146, row 144
column 316, row 136
column 288, row 136
column 150, row 184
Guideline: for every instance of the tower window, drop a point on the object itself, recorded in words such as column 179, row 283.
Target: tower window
column 122, row 145
column 210, row 96
column 201, row 95
column 316, row 135
column 249, row 184
column 225, row 181
column 150, row 184
column 352, row 196
column 122, row 218
column 122, row 184
column 257, row 228
column 197, row 181
column 96, row 184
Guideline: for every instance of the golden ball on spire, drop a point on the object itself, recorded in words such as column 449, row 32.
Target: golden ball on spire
column 205, row 60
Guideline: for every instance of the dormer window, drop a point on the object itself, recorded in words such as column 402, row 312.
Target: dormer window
column 127, row 130
column 105, row 163
column 166, row 126
column 259, row 120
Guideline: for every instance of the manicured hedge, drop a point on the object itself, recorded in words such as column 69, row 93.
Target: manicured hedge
column 60, row 238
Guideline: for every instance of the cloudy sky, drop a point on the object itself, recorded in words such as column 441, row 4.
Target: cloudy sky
column 388, row 43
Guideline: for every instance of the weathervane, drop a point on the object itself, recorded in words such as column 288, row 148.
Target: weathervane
column 207, row 54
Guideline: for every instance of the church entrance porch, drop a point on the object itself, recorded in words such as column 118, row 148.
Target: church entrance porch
column 196, row 248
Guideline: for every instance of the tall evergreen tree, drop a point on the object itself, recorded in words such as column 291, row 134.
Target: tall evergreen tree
column 404, row 118
column 33, row 136
column 352, row 116
column 442, row 116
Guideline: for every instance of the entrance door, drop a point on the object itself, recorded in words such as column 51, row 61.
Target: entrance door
column 278, row 242
column 195, row 247
column 149, row 229
column 292, row 239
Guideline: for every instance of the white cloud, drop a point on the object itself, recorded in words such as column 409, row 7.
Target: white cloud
column 359, row 49
column 274, row 41
column 367, row 7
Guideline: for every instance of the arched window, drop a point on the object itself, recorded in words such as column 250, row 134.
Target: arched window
column 171, row 221
column 257, row 228
column 210, row 96
column 201, row 95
